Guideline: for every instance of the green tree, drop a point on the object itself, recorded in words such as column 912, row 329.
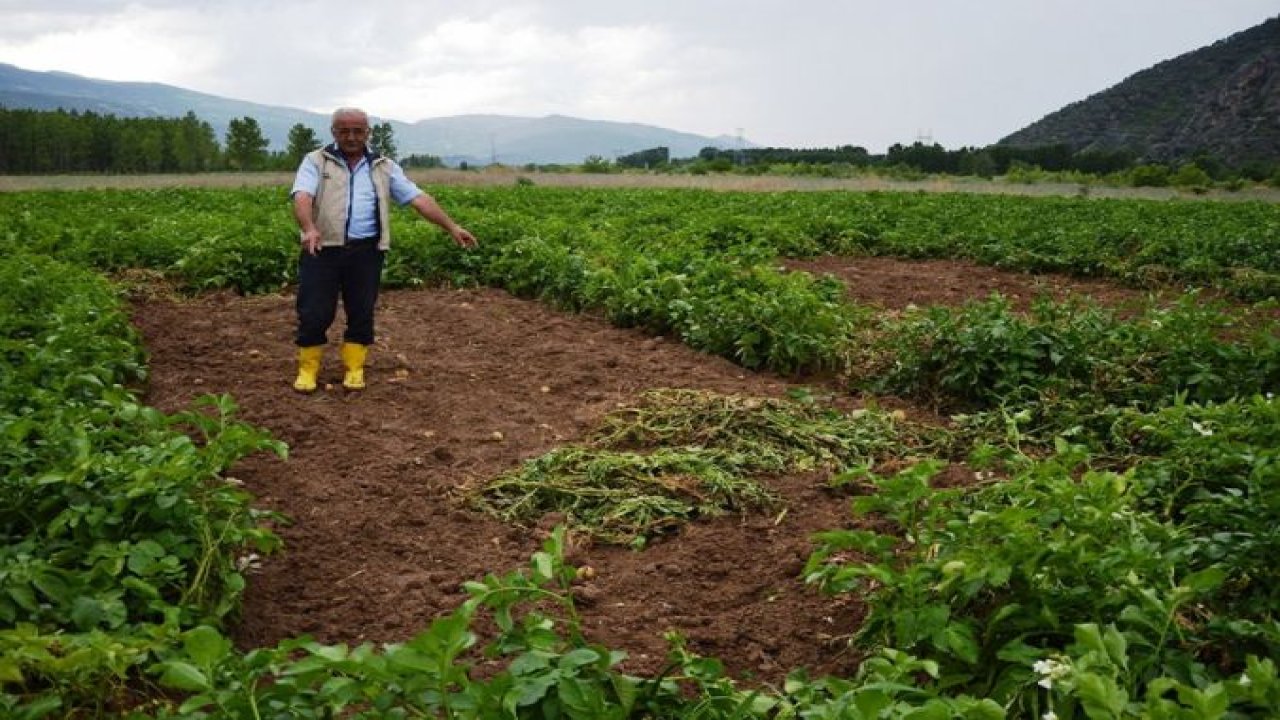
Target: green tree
column 383, row 140
column 193, row 146
column 979, row 163
column 1190, row 175
column 62, row 141
column 932, row 158
column 596, row 164
column 653, row 157
column 1149, row 175
column 302, row 140
column 139, row 147
column 423, row 161
column 246, row 147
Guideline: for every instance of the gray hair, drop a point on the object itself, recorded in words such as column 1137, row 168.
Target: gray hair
column 340, row 112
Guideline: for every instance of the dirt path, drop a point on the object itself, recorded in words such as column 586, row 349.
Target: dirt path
column 464, row 385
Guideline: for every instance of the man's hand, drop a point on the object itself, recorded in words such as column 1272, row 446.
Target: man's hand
column 462, row 237
column 310, row 240
column 430, row 210
column 303, row 203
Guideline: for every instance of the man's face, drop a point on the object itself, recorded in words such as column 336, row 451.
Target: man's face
column 350, row 132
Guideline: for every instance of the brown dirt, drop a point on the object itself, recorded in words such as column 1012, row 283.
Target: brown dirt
column 894, row 284
column 380, row 544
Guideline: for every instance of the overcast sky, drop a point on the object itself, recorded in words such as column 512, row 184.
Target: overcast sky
column 792, row 73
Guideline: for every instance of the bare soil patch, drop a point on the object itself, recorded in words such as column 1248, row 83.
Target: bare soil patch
column 466, row 384
column 894, row 284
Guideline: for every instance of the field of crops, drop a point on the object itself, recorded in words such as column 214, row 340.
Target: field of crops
column 625, row 460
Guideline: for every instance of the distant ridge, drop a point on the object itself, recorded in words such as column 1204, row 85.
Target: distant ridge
column 1221, row 101
column 475, row 139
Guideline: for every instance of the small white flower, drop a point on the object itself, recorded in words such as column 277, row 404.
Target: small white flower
column 1245, row 681
column 1201, row 429
column 1050, row 670
column 1051, row 715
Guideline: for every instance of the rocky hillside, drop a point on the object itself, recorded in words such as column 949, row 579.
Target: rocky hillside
column 1222, row 101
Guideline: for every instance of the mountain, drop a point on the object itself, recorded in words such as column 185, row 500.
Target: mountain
column 475, row 139
column 1222, row 101
column 482, row 139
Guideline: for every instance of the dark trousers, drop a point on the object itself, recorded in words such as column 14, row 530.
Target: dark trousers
column 353, row 273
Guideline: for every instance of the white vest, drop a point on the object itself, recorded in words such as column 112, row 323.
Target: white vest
column 331, row 204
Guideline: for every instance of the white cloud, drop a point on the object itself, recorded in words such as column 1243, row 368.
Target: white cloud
column 157, row 45
column 800, row 73
column 508, row 64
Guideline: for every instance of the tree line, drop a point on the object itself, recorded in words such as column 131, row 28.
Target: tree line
column 988, row 162
column 62, row 141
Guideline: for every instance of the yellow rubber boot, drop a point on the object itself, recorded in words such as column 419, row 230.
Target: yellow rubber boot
column 353, row 355
column 308, row 368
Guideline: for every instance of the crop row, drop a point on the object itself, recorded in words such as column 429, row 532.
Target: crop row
column 1139, row 242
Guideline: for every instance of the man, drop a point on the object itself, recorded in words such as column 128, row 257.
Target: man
column 341, row 199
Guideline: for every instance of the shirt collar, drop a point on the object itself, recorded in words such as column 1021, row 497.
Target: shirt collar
column 333, row 150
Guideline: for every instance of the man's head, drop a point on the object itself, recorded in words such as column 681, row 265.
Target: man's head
column 350, row 128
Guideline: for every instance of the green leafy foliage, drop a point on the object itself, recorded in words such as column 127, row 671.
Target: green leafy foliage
column 985, row 354
column 118, row 526
column 994, row 583
column 1214, row 468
